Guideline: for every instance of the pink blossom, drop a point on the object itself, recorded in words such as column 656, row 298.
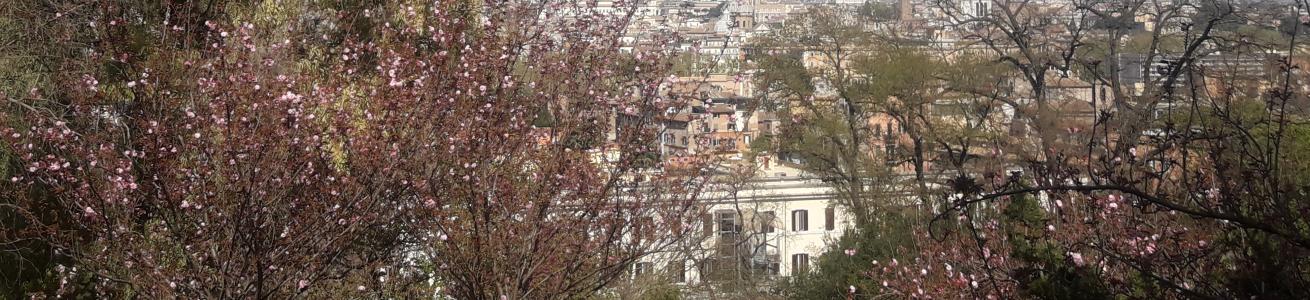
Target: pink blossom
column 91, row 82
column 1077, row 258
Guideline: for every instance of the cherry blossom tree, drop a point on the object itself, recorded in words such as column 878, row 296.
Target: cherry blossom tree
column 1177, row 190
column 1174, row 186
column 358, row 150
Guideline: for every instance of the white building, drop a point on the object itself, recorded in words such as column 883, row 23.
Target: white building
column 773, row 227
column 974, row 8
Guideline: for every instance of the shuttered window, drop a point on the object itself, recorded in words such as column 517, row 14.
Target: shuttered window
column 800, row 220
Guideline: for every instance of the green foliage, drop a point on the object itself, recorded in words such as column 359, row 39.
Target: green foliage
column 1123, row 22
column 1023, row 213
column 1140, row 42
column 1295, row 149
column 31, row 265
column 1269, row 155
column 8, row 165
column 1268, row 37
column 662, row 292
column 1249, row 124
column 762, row 144
column 585, row 136
column 784, row 75
column 1290, row 24
column 1265, row 268
column 717, row 10
column 877, row 11
column 820, row 142
column 27, row 266
column 646, row 159
column 1046, row 273
column 694, row 64
column 903, row 79
column 834, row 271
column 544, row 119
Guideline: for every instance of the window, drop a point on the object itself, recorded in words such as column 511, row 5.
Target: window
column 728, row 222
column 768, row 219
column 703, row 269
column 800, row 264
column 677, row 270
column 642, row 268
column 747, row 139
column 800, row 220
column 829, row 218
